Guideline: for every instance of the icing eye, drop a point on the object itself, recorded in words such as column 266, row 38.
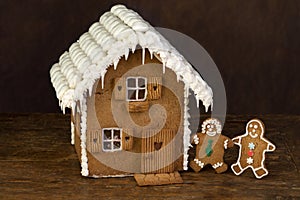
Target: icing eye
column 251, row 125
column 255, row 126
column 208, row 126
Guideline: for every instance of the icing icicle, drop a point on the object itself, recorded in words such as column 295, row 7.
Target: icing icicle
column 126, row 54
column 151, row 54
column 143, row 56
column 102, row 81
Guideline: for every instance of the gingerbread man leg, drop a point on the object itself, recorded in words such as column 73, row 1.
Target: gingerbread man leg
column 220, row 167
column 260, row 172
column 236, row 168
column 196, row 165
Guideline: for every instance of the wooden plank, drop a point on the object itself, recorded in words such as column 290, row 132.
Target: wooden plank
column 138, row 106
column 94, row 138
column 38, row 162
column 127, row 139
column 119, row 90
column 154, row 87
column 157, row 161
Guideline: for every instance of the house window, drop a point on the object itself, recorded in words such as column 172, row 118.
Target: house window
column 112, row 139
column 136, row 88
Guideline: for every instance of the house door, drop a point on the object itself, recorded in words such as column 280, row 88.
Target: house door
column 158, row 151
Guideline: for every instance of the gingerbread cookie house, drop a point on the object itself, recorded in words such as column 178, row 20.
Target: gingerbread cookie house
column 128, row 90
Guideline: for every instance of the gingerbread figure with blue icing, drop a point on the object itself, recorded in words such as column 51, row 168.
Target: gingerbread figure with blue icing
column 210, row 148
column 253, row 146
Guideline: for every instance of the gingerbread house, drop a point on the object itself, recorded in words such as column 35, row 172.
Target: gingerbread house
column 128, row 90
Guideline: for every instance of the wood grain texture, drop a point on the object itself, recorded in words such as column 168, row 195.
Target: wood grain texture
column 37, row 161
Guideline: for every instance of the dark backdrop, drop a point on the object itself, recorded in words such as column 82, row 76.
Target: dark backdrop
column 255, row 44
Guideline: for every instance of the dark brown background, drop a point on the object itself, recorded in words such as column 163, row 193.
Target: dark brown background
column 255, row 44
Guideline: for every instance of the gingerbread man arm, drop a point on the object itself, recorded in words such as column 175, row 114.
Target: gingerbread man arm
column 228, row 143
column 196, row 139
column 236, row 140
column 271, row 147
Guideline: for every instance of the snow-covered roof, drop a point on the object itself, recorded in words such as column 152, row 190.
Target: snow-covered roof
column 118, row 32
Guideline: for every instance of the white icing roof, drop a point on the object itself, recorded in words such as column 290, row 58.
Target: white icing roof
column 116, row 33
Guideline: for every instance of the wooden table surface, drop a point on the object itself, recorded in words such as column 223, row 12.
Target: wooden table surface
column 37, row 161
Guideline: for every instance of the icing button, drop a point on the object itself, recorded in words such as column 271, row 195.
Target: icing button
column 250, row 153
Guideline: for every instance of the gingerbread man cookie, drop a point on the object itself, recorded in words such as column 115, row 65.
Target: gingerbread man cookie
column 253, row 147
column 210, row 146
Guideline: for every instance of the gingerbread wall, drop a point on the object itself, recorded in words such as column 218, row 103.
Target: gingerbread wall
column 161, row 125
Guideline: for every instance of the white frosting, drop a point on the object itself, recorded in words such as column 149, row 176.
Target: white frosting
column 196, row 139
column 199, row 163
column 83, row 124
column 211, row 122
column 72, row 133
column 117, row 32
column 186, row 130
column 218, row 164
column 249, row 160
column 226, row 144
column 112, row 176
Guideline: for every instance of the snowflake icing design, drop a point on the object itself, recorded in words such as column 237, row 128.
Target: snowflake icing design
column 251, row 145
column 249, row 160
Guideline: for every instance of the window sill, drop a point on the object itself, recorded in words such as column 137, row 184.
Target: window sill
column 138, row 106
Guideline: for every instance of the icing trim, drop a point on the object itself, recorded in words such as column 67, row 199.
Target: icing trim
column 186, row 130
column 226, row 144
column 72, row 133
column 217, row 165
column 199, row 163
column 84, row 159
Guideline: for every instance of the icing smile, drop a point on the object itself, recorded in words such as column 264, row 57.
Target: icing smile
column 211, row 133
column 253, row 135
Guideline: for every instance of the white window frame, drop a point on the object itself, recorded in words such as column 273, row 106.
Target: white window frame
column 136, row 88
column 112, row 140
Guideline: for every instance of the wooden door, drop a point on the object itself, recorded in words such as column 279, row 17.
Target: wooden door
column 158, row 151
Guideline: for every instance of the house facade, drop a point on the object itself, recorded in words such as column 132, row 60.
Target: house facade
column 128, row 90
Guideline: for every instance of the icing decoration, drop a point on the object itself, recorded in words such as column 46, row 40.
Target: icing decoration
column 196, row 139
column 198, row 162
column 218, row 164
column 187, row 131
column 253, row 135
column 208, row 149
column 116, row 33
column 251, row 145
column 250, row 153
column 249, row 160
column 207, row 124
column 225, row 144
